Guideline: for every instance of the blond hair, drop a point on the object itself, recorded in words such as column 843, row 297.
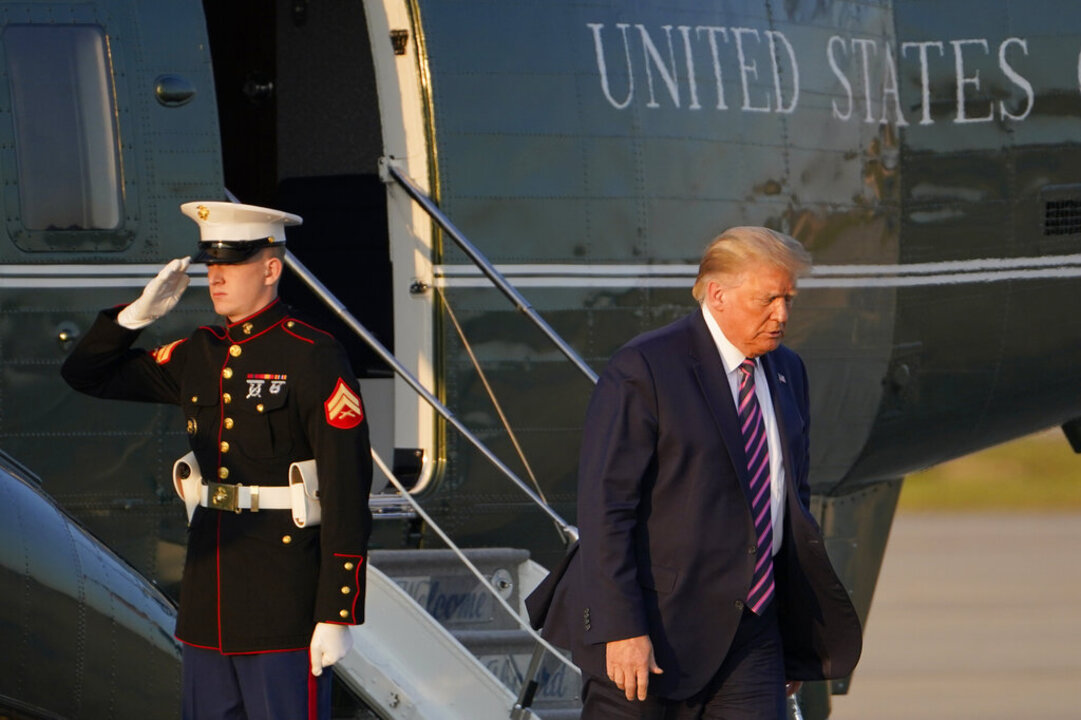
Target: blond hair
column 732, row 252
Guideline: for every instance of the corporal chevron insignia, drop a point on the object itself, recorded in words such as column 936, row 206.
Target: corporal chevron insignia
column 343, row 407
column 164, row 353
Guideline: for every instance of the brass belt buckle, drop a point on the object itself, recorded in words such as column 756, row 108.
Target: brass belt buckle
column 223, row 497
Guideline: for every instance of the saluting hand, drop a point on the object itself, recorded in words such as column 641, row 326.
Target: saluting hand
column 159, row 296
column 630, row 663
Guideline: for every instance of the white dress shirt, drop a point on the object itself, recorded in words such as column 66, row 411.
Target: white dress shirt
column 732, row 358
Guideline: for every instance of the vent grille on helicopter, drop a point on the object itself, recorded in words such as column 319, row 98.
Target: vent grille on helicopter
column 1062, row 217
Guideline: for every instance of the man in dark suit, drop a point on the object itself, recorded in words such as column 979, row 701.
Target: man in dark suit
column 701, row 583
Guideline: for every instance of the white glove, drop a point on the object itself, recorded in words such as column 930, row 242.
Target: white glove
column 330, row 643
column 159, row 296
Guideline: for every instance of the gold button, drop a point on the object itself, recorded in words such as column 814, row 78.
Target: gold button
column 290, row 324
column 228, row 422
column 235, row 350
column 227, row 373
column 224, row 446
column 226, row 398
column 344, row 613
column 286, row 539
column 346, row 589
column 349, row 566
column 223, row 472
column 195, row 398
column 259, row 407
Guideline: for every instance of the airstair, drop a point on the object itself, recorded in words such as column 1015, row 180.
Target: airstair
column 436, row 645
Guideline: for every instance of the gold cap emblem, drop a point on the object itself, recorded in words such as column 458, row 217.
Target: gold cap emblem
column 204, row 213
column 193, row 427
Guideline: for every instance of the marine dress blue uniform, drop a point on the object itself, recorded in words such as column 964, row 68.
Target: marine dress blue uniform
column 256, row 395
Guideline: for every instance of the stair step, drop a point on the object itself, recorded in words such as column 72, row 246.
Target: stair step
column 443, row 586
column 389, row 560
column 507, row 654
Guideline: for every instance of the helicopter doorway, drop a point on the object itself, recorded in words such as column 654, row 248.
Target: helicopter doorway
column 300, row 131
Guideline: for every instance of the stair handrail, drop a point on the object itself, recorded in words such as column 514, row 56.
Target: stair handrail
column 569, row 532
column 485, row 582
column 389, row 171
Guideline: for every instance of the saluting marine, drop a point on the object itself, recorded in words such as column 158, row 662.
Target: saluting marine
column 276, row 484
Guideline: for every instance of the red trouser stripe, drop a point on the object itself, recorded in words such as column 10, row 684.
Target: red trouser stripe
column 313, row 696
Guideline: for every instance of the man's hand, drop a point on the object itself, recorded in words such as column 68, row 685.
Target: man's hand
column 159, row 296
column 330, row 643
column 630, row 663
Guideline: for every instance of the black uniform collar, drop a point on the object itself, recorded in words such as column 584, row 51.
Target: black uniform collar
column 258, row 323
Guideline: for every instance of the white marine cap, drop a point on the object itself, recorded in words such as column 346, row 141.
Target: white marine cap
column 231, row 232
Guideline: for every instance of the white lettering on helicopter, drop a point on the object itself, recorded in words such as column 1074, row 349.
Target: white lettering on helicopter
column 692, row 67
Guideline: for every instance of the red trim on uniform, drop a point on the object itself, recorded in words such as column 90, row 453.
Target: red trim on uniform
column 311, row 327
column 299, row 337
column 356, row 584
column 245, row 652
column 217, row 565
column 261, row 332
column 197, row 645
column 313, row 695
column 255, row 314
column 221, row 411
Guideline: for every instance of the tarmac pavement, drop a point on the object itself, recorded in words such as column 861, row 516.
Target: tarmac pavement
column 976, row 617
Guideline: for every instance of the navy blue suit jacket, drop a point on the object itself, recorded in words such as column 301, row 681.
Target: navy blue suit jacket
column 667, row 544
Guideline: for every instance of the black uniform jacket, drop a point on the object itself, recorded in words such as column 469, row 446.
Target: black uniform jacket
column 668, row 545
column 256, row 396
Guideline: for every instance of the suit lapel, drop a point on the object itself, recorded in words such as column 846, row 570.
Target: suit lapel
column 713, row 384
column 789, row 423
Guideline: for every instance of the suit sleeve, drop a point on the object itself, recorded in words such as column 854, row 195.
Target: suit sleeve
column 617, row 460
column 105, row 365
column 337, row 429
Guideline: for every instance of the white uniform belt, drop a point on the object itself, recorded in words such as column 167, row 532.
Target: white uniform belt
column 245, row 497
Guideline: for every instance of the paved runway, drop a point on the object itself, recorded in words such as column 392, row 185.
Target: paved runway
column 975, row 617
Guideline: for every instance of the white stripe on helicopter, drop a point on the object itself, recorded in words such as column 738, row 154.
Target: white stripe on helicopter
column 822, row 276
column 675, row 275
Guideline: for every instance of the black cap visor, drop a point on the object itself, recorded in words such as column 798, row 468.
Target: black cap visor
column 229, row 252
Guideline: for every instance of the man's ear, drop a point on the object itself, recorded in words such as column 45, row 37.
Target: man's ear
column 274, row 269
column 714, row 295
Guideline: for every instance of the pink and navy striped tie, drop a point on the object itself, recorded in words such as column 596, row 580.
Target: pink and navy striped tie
column 753, row 428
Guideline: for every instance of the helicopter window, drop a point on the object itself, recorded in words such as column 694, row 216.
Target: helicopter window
column 69, row 174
